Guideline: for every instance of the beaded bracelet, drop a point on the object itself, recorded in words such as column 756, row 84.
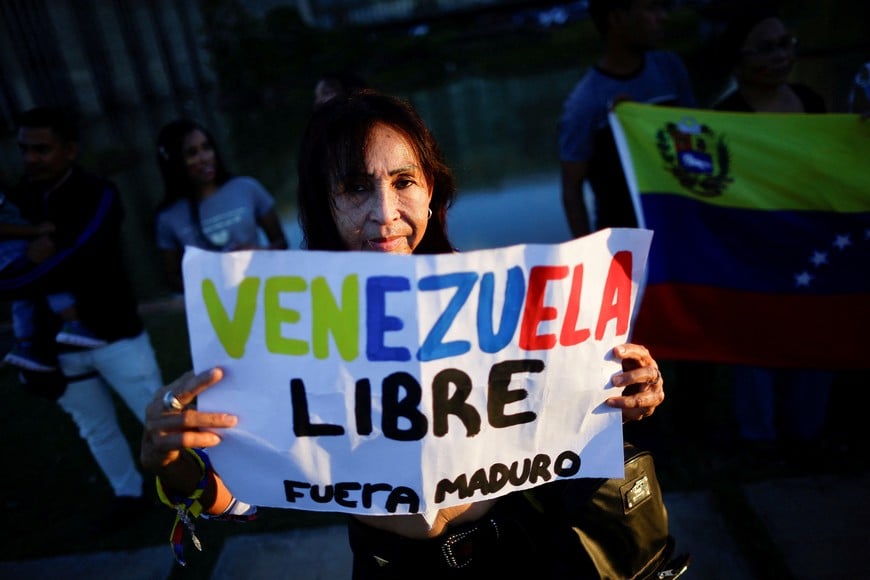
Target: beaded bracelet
column 187, row 508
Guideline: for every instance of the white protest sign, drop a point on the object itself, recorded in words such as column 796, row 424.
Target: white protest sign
column 384, row 384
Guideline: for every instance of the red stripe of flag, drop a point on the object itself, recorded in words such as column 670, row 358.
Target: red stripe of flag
column 705, row 323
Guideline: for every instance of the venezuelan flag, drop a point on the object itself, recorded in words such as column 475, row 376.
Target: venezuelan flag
column 761, row 245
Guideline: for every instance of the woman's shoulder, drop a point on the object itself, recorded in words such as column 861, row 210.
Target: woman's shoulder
column 812, row 100
column 246, row 185
column 173, row 210
column 732, row 101
column 664, row 60
column 243, row 181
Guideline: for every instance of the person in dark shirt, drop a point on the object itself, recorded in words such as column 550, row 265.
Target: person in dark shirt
column 628, row 69
column 762, row 52
column 83, row 254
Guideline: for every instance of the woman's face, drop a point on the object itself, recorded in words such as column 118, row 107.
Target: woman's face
column 767, row 55
column 386, row 209
column 199, row 157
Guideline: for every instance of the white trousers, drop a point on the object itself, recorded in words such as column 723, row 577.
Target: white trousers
column 130, row 368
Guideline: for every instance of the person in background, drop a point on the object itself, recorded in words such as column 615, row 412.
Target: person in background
column 204, row 205
column 83, row 254
column 373, row 179
column 338, row 84
column 761, row 49
column 629, row 69
column 859, row 92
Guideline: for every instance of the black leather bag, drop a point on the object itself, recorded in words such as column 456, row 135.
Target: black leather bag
column 618, row 527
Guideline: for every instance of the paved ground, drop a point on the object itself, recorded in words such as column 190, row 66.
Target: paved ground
column 818, row 523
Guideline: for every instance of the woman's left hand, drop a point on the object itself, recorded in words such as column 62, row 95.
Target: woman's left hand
column 644, row 385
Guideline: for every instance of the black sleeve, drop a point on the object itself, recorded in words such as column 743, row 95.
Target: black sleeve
column 87, row 221
column 812, row 101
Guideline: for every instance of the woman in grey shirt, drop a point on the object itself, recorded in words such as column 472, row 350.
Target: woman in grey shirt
column 204, row 205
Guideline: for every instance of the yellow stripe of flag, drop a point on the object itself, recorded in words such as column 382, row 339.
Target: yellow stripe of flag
column 762, row 161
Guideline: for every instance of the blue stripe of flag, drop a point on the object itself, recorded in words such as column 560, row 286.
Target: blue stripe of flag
column 781, row 251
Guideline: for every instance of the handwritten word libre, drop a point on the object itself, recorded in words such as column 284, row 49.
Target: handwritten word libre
column 523, row 308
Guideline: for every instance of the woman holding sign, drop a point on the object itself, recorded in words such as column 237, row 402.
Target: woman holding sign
column 372, row 178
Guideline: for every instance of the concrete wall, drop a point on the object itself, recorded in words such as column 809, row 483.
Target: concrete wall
column 98, row 56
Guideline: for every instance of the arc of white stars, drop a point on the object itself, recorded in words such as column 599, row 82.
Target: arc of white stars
column 819, row 258
column 803, row 279
column 842, row 241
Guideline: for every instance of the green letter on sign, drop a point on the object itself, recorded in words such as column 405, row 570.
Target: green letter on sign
column 234, row 333
column 276, row 315
column 329, row 317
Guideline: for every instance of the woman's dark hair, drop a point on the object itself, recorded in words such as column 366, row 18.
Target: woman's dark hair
column 173, row 169
column 334, row 146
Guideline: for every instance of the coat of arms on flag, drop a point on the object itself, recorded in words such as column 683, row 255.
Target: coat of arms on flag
column 695, row 155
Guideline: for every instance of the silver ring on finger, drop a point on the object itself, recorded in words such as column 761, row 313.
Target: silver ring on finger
column 171, row 402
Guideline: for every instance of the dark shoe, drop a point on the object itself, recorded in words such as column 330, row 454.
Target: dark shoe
column 123, row 511
column 77, row 334
column 22, row 355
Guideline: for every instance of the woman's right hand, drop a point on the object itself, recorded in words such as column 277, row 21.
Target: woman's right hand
column 168, row 431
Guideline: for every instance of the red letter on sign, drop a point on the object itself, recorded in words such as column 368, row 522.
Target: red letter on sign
column 535, row 311
column 616, row 300
column 572, row 335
